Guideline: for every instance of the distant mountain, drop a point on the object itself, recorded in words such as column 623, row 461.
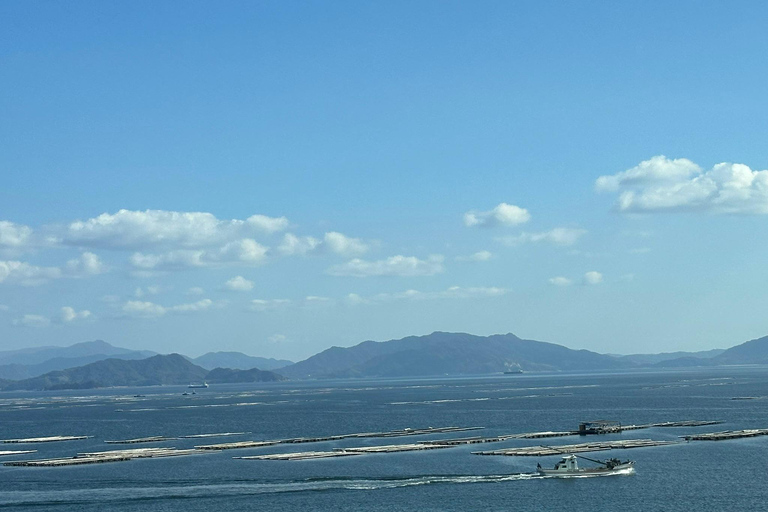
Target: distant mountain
column 228, row 375
column 442, row 353
column 238, row 361
column 655, row 359
column 750, row 352
column 27, row 363
column 153, row 371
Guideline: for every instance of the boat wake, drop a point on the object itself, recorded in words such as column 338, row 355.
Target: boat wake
column 179, row 490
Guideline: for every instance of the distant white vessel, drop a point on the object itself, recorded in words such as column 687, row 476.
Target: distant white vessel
column 568, row 467
column 196, row 386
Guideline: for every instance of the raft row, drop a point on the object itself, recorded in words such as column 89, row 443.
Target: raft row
column 296, row 440
column 540, row 451
column 728, row 434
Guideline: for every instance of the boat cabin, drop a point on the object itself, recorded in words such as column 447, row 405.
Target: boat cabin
column 567, row 463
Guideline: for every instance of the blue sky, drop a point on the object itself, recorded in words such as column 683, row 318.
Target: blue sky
column 280, row 177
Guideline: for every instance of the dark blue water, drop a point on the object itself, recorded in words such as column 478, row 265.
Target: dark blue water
column 690, row 476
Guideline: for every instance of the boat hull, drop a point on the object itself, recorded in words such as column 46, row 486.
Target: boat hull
column 621, row 469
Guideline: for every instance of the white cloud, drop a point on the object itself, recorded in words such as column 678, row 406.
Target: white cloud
column 556, row 236
column 478, row 256
column 195, row 290
column 144, row 309
column 239, row 284
column 268, row 305
column 404, row 266
column 149, row 290
column 344, row 245
column 200, row 305
column 25, row 274
column 246, row 250
column 14, row 235
column 454, row 292
column 243, row 252
column 68, row 314
column 3, row 307
column 315, row 300
column 88, row 264
column 560, row 281
column 355, row 299
column 293, row 245
column 32, row 321
column 661, row 184
column 129, row 229
column 593, row 277
column 277, row 338
column 268, row 224
column 503, row 215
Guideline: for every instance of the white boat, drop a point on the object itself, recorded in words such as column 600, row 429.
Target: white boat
column 196, row 386
column 569, row 467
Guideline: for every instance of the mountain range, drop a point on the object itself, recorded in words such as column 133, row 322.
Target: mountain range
column 153, row 371
column 238, row 361
column 439, row 353
column 32, row 362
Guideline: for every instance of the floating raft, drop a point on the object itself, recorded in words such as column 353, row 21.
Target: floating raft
column 297, row 440
column 50, row 439
column 220, row 434
column 300, row 455
column 102, row 457
column 538, row 451
column 152, row 439
column 728, row 434
column 346, row 452
column 15, row 452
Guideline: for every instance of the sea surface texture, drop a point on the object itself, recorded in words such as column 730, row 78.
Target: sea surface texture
column 696, row 475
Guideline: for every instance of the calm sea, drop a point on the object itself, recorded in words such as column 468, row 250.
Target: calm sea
column 701, row 476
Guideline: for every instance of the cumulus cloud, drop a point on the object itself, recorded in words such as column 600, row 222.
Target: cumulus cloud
column 195, row 290
column 503, row 215
column 68, row 314
column 344, row 245
column 20, row 272
column 560, row 281
column 454, row 292
column 593, row 277
column 239, row 284
column 404, row 266
column 268, row 304
column 145, row 309
column 664, row 185
column 277, row 338
column 556, row 236
column 240, row 252
column 293, row 245
column 129, row 229
column 14, row 235
column 88, row 264
column 268, row 224
column 478, row 256
column 32, row 321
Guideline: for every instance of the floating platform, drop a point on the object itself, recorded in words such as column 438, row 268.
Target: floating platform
column 220, row 434
column 237, row 445
column 299, row 455
column 102, row 457
column 346, row 452
column 50, row 439
column 539, row 451
column 152, row 439
column 727, row 434
column 3, row 453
